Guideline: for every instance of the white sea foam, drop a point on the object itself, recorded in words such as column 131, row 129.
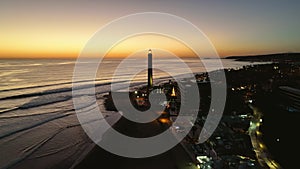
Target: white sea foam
column 38, row 123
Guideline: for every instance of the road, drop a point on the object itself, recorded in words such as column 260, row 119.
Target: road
column 256, row 138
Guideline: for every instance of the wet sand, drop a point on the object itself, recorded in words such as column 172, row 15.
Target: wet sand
column 172, row 159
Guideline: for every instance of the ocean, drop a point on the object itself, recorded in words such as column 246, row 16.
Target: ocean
column 38, row 124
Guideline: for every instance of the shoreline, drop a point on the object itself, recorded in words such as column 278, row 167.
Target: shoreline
column 36, row 108
column 97, row 151
column 99, row 156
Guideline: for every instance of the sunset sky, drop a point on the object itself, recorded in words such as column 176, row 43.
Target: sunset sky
column 61, row 28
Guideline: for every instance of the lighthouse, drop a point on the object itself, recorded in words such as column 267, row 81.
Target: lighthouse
column 150, row 71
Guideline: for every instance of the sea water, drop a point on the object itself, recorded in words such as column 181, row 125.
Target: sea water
column 38, row 125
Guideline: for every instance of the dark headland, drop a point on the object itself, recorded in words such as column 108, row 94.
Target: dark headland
column 277, row 57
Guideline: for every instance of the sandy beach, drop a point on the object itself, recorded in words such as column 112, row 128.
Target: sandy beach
column 172, row 159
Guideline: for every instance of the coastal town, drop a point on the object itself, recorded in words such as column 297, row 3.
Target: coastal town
column 239, row 140
column 139, row 84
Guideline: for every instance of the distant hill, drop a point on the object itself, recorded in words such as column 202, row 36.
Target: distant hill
column 278, row 57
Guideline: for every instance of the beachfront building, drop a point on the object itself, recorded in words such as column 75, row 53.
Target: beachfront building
column 291, row 101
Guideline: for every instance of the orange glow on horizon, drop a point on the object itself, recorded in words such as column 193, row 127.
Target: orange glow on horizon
column 48, row 29
column 55, row 43
column 70, row 46
column 33, row 49
column 142, row 42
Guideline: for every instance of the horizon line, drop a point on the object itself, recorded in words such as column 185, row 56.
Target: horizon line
column 121, row 57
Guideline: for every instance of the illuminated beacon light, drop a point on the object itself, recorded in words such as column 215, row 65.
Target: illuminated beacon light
column 173, row 92
column 164, row 120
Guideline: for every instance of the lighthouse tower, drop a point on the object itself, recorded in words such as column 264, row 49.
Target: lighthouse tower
column 150, row 71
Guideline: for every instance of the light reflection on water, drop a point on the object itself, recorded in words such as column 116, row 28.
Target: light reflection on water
column 39, row 72
column 40, row 120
